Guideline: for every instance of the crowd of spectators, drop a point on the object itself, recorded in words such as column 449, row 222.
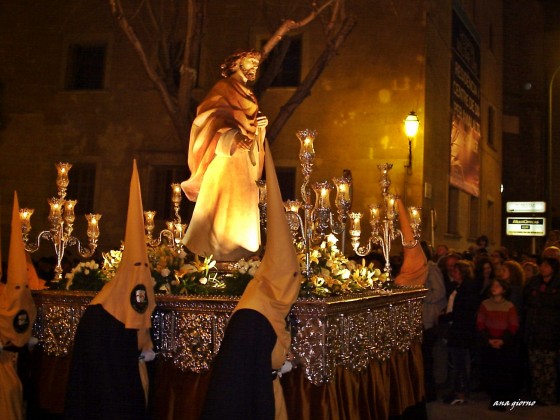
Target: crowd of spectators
column 492, row 324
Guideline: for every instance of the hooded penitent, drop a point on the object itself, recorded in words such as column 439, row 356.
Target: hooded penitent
column 415, row 266
column 17, row 309
column 17, row 315
column 257, row 338
column 107, row 379
column 275, row 286
column 129, row 297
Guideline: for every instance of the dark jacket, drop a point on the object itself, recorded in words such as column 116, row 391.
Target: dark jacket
column 542, row 313
column 462, row 320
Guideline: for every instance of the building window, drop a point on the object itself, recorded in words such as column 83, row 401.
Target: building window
column 290, row 73
column 453, row 211
column 159, row 196
column 491, row 125
column 82, row 186
column 86, row 67
column 474, row 222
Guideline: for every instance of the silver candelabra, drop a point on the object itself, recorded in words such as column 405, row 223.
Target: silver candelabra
column 317, row 218
column 61, row 218
column 175, row 230
column 383, row 221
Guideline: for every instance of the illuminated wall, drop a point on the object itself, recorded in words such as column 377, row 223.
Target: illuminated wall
column 396, row 60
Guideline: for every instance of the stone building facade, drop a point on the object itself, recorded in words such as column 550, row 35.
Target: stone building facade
column 397, row 59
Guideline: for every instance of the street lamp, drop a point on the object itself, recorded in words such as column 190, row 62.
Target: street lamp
column 549, row 147
column 411, row 124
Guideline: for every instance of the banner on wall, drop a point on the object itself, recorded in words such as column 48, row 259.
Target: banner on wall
column 465, row 107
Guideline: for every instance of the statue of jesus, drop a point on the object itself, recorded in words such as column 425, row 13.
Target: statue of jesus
column 226, row 156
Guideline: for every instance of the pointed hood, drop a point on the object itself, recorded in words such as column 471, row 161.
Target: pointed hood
column 17, row 308
column 275, row 286
column 415, row 266
column 35, row 283
column 129, row 297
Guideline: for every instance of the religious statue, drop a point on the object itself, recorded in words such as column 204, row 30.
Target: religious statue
column 226, row 156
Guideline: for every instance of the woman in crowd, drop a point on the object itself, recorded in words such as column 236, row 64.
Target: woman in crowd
column 497, row 324
column 484, row 275
column 513, row 274
column 497, row 257
column 461, row 315
column 541, row 299
column 530, row 269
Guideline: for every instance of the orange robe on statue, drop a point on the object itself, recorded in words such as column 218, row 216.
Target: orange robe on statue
column 225, row 222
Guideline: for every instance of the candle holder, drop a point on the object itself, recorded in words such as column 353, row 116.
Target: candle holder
column 383, row 221
column 61, row 218
column 319, row 218
column 174, row 231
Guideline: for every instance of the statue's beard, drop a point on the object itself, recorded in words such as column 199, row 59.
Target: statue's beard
column 250, row 74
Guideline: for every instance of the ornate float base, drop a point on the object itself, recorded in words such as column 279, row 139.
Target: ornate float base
column 356, row 356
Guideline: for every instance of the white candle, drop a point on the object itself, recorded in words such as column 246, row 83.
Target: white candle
column 355, row 228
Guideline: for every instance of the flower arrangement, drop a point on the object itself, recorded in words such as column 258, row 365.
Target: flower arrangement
column 173, row 272
column 333, row 273
column 181, row 273
column 86, row 276
column 243, row 271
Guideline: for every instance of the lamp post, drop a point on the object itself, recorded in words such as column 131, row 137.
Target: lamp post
column 549, row 147
column 411, row 124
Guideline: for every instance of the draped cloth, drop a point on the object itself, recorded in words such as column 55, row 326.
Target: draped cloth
column 379, row 391
column 225, row 221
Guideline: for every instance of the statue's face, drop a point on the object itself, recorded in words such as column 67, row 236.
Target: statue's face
column 249, row 67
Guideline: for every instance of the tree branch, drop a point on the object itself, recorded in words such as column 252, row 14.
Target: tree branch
column 168, row 101
column 188, row 73
column 289, row 25
column 304, row 89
